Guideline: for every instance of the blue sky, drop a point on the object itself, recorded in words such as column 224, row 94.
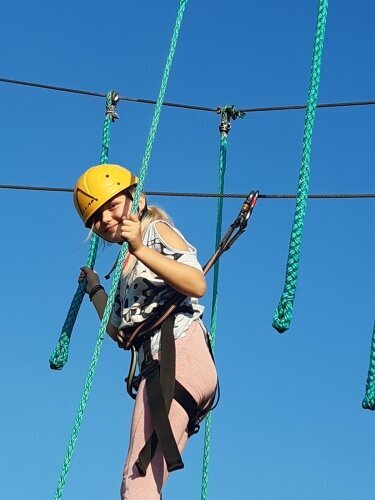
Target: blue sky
column 290, row 424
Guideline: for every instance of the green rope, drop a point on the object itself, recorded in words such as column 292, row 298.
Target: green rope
column 121, row 257
column 227, row 113
column 214, row 307
column 283, row 315
column 59, row 355
column 368, row 402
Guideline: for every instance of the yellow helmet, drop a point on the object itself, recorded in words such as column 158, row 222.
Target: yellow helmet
column 98, row 185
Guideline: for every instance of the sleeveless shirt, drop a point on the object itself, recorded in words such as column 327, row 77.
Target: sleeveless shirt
column 141, row 291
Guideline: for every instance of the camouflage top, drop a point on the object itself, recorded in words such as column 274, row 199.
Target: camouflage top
column 141, row 291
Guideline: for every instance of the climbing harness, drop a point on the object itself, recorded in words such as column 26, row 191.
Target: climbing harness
column 161, row 384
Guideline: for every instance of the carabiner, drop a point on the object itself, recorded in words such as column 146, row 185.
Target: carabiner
column 241, row 221
column 248, row 207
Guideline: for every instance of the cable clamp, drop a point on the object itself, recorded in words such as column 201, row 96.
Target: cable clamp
column 112, row 101
column 228, row 113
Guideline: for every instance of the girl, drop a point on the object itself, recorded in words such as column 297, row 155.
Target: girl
column 178, row 374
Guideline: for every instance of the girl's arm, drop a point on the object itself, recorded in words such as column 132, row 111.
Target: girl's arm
column 182, row 277
column 100, row 301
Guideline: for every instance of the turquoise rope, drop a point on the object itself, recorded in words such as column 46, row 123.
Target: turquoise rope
column 207, row 425
column 123, row 251
column 284, row 312
column 368, row 402
column 214, row 306
column 60, row 354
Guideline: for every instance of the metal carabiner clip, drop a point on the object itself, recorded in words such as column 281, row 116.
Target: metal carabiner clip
column 247, row 208
column 241, row 221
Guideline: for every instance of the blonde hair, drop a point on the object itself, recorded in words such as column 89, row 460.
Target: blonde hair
column 154, row 213
column 149, row 213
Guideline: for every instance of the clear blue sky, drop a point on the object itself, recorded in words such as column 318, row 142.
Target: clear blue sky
column 290, row 424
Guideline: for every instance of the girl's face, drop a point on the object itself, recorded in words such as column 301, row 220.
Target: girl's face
column 107, row 220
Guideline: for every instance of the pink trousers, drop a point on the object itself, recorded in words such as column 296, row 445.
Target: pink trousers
column 196, row 371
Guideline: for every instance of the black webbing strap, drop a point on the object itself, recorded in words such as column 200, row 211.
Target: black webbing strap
column 186, row 400
column 160, row 386
column 188, row 403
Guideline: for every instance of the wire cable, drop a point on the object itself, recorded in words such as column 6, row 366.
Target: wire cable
column 276, row 196
column 98, row 94
column 292, row 107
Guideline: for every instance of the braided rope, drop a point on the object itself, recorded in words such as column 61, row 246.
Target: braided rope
column 60, row 354
column 219, row 224
column 124, row 248
column 368, row 402
column 224, row 130
column 283, row 315
column 159, row 102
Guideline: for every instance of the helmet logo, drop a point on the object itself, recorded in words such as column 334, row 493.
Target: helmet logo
column 84, row 204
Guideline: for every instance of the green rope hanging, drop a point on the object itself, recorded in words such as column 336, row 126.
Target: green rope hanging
column 227, row 113
column 283, row 315
column 59, row 355
column 121, row 257
column 368, row 402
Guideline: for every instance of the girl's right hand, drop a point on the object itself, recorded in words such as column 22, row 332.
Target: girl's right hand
column 91, row 276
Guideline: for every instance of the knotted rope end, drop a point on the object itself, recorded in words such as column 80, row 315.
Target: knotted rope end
column 368, row 403
column 59, row 357
column 283, row 316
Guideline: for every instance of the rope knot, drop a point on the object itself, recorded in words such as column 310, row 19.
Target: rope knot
column 284, row 313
